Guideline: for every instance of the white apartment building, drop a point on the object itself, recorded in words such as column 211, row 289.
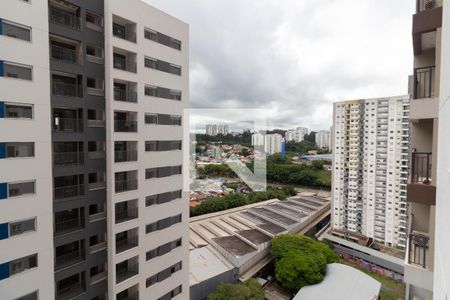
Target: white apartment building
column 273, row 143
column 296, row 135
column 215, row 129
column 26, row 214
column 323, row 139
column 370, row 168
column 147, row 51
column 257, row 139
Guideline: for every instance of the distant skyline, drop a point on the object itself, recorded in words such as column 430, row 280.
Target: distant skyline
column 297, row 58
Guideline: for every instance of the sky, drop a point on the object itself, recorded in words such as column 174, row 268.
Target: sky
column 294, row 58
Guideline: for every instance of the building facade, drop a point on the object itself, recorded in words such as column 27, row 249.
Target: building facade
column 296, row 135
column 273, row 143
column 427, row 261
column 370, row 168
column 323, row 139
column 92, row 97
column 215, row 129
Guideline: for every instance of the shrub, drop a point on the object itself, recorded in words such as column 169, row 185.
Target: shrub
column 249, row 290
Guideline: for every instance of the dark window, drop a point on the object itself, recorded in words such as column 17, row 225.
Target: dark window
column 151, row 35
column 151, row 63
column 18, row 111
column 22, row 264
column 151, row 91
column 151, row 119
column 20, row 188
column 15, row 30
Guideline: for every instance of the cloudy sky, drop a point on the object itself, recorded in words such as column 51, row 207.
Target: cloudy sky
column 294, row 58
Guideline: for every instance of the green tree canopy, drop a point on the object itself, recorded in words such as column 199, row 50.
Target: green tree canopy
column 249, row 290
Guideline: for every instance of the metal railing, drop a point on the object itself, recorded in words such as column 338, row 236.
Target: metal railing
column 124, row 95
column 68, row 259
column 418, row 249
column 123, row 156
column 125, row 185
column 130, row 296
column 125, row 126
column 126, row 273
column 126, row 214
column 95, row 91
column 68, row 225
column 96, row 154
column 67, row 89
column 126, row 243
column 121, row 32
column 424, row 82
column 97, row 185
column 68, row 158
column 69, row 291
column 421, row 167
column 61, row 17
column 423, row 5
column 65, row 54
column 69, row 191
column 68, row 125
column 125, row 65
column 96, row 123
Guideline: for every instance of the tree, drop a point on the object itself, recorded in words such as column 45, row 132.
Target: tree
column 249, row 290
column 300, row 260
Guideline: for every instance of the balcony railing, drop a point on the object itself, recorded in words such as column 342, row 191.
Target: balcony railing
column 125, row 185
column 61, row 17
column 68, row 225
column 70, row 291
column 125, row 65
column 124, row 95
column 126, row 244
column 96, row 154
column 68, row 259
column 418, row 249
column 65, row 54
column 69, row 191
column 424, row 82
column 126, row 214
column 124, row 156
column 423, row 5
column 96, row 123
column 67, row 89
column 125, row 126
column 121, row 32
column 96, row 185
column 68, row 158
column 421, row 167
column 68, row 125
column 126, row 273
column 130, row 296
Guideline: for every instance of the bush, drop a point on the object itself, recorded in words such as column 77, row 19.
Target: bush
column 249, row 290
column 300, row 260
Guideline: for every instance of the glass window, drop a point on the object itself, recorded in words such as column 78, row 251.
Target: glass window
column 151, row 91
column 20, row 188
column 19, row 150
column 151, row 35
column 13, row 70
column 22, row 264
column 175, row 95
column 20, row 227
column 18, row 111
column 175, row 69
column 151, row 63
column 15, row 30
column 94, row 21
column 151, row 146
column 151, row 119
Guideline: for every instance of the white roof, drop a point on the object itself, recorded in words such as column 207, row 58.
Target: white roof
column 342, row 282
column 205, row 263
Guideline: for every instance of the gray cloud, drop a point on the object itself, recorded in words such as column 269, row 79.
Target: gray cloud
column 294, row 57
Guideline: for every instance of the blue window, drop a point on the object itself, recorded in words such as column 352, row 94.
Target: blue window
column 2, row 151
column 2, row 109
column 4, row 231
column 4, row 271
column 1, row 68
column 3, row 190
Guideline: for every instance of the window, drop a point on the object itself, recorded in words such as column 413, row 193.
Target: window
column 176, row 44
column 151, row 146
column 17, row 71
column 164, row 274
column 151, row 91
column 163, row 249
column 22, row 264
column 151, row 173
column 173, row 293
column 94, row 83
column 18, row 111
column 162, row 145
column 94, row 21
column 94, row 54
column 151, row 35
column 176, row 120
column 174, row 69
column 21, row 188
column 175, row 95
column 151, row 119
column 20, row 227
column 15, row 30
column 162, row 198
column 19, row 150
column 162, row 224
column 30, row 296
column 150, row 63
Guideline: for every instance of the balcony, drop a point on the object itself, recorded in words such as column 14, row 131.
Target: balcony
column 122, row 94
column 131, row 293
column 424, row 82
column 125, row 185
column 126, row 270
column 126, row 214
column 125, row 32
column 65, row 54
column 69, row 191
column 70, row 287
column 68, row 259
column 124, row 62
column 68, row 158
column 427, row 19
column 125, row 126
column 125, row 243
column 65, row 18
column 69, row 225
column 420, row 188
column 67, row 89
column 68, row 125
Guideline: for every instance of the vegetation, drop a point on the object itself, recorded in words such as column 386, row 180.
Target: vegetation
column 249, row 290
column 302, row 148
column 300, row 260
column 244, row 139
column 215, row 204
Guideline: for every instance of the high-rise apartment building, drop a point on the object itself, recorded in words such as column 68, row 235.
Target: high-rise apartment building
column 323, row 139
column 92, row 96
column 215, row 129
column 427, row 260
column 296, row 135
column 273, row 143
column 370, row 168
